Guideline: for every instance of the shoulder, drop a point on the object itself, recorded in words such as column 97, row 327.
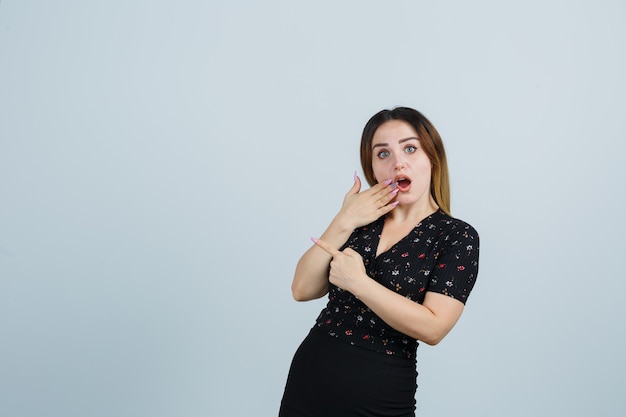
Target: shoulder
column 456, row 268
column 455, row 226
column 455, row 232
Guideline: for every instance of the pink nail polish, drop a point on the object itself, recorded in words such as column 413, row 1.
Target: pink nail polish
column 395, row 203
column 314, row 240
column 387, row 182
column 394, row 192
column 354, row 176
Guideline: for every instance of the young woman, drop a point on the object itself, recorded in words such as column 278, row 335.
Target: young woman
column 397, row 269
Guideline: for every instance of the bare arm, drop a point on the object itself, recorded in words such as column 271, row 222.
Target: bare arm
column 310, row 280
column 429, row 322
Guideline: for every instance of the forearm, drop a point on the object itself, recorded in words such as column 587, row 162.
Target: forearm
column 429, row 325
column 359, row 208
column 311, row 276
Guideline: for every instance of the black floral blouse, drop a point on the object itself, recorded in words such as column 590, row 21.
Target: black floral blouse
column 440, row 254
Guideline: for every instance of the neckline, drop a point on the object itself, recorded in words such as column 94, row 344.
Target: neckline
column 381, row 224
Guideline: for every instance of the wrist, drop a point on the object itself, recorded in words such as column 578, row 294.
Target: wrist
column 363, row 287
column 342, row 224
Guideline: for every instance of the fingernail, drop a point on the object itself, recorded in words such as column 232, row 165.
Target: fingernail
column 394, row 192
column 387, row 182
column 395, row 203
column 315, row 240
column 394, row 185
column 354, row 176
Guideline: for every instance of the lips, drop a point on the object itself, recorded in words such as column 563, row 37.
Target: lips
column 404, row 183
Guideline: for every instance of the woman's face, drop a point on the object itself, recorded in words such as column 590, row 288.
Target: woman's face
column 397, row 155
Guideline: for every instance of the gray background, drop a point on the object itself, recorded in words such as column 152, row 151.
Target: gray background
column 163, row 165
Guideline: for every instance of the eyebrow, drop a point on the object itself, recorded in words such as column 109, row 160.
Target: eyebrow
column 400, row 141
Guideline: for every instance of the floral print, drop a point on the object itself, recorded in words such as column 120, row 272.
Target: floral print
column 440, row 254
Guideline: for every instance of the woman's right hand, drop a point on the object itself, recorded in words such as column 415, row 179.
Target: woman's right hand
column 361, row 208
column 310, row 280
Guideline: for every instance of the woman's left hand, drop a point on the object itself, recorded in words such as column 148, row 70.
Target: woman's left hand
column 428, row 322
column 346, row 269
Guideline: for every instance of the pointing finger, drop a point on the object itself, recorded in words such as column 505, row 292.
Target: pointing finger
column 351, row 252
column 329, row 249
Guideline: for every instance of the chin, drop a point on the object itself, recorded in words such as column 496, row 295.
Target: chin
column 406, row 201
column 409, row 199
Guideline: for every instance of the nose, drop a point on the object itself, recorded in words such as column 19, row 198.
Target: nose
column 399, row 164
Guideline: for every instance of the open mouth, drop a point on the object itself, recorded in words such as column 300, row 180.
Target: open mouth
column 404, row 183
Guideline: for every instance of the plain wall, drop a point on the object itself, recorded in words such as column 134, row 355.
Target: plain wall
column 163, row 165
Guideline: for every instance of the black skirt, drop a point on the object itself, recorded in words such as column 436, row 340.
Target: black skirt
column 330, row 377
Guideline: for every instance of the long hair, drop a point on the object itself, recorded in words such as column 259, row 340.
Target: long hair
column 430, row 141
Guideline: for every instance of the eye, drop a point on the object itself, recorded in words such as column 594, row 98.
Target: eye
column 383, row 154
column 410, row 149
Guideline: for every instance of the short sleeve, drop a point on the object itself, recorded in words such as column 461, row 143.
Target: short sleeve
column 456, row 268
